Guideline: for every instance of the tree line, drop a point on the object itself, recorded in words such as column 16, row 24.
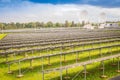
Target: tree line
column 17, row 25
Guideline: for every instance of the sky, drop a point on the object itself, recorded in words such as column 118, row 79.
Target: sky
column 59, row 10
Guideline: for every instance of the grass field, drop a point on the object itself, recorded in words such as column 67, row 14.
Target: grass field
column 35, row 72
column 2, row 36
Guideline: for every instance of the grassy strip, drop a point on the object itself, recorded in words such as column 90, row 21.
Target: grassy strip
column 2, row 36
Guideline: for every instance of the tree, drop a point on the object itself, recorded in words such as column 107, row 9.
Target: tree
column 83, row 23
column 42, row 24
column 18, row 25
column 66, row 23
column 119, row 23
column 49, row 24
column 72, row 24
column 13, row 25
column 0, row 26
column 58, row 24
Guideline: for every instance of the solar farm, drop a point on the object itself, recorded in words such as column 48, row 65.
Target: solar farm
column 60, row 54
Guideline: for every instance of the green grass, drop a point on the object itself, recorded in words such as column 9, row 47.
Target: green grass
column 35, row 73
column 2, row 36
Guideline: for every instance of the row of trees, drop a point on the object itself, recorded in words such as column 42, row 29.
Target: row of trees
column 13, row 25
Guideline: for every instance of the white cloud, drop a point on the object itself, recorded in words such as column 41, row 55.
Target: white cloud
column 26, row 12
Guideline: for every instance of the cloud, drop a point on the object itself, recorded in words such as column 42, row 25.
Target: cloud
column 26, row 11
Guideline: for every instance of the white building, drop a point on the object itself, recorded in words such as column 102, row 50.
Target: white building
column 102, row 25
column 112, row 24
column 88, row 26
column 109, row 24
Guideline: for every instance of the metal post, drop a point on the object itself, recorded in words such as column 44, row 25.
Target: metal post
column 113, row 64
column 42, row 69
column 103, row 68
column 77, row 57
column 89, row 55
column 64, row 58
column 100, row 52
column 6, row 55
column 61, row 67
column 61, row 64
column 67, row 77
column 85, row 72
column 20, row 71
column 31, row 64
column 9, row 71
column 110, row 51
column 14, row 56
column 42, row 75
column 49, row 60
column 118, row 66
column 32, row 53
column 103, row 72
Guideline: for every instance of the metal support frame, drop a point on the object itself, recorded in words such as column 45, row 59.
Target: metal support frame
column 42, row 75
column 61, row 67
column 31, row 64
column 110, row 50
column 118, row 70
column 20, row 71
column 89, row 55
column 49, row 61
column 61, row 63
column 67, row 77
column 85, row 72
column 113, row 62
column 32, row 53
column 14, row 56
column 103, row 71
column 9, row 70
column 64, row 57
column 100, row 52
column 77, row 57
column 42, row 68
column 6, row 56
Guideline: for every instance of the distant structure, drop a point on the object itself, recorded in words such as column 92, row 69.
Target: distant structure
column 109, row 24
column 112, row 24
column 89, row 26
column 102, row 25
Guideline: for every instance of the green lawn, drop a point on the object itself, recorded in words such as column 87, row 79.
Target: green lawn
column 2, row 36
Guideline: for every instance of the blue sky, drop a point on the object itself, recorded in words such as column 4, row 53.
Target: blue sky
column 58, row 10
column 103, row 3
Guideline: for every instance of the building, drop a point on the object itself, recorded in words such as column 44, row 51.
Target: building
column 88, row 26
column 112, row 24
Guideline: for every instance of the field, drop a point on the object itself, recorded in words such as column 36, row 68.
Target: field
column 65, row 54
column 2, row 36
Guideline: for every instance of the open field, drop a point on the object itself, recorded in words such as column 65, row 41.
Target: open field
column 60, row 54
column 2, row 36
